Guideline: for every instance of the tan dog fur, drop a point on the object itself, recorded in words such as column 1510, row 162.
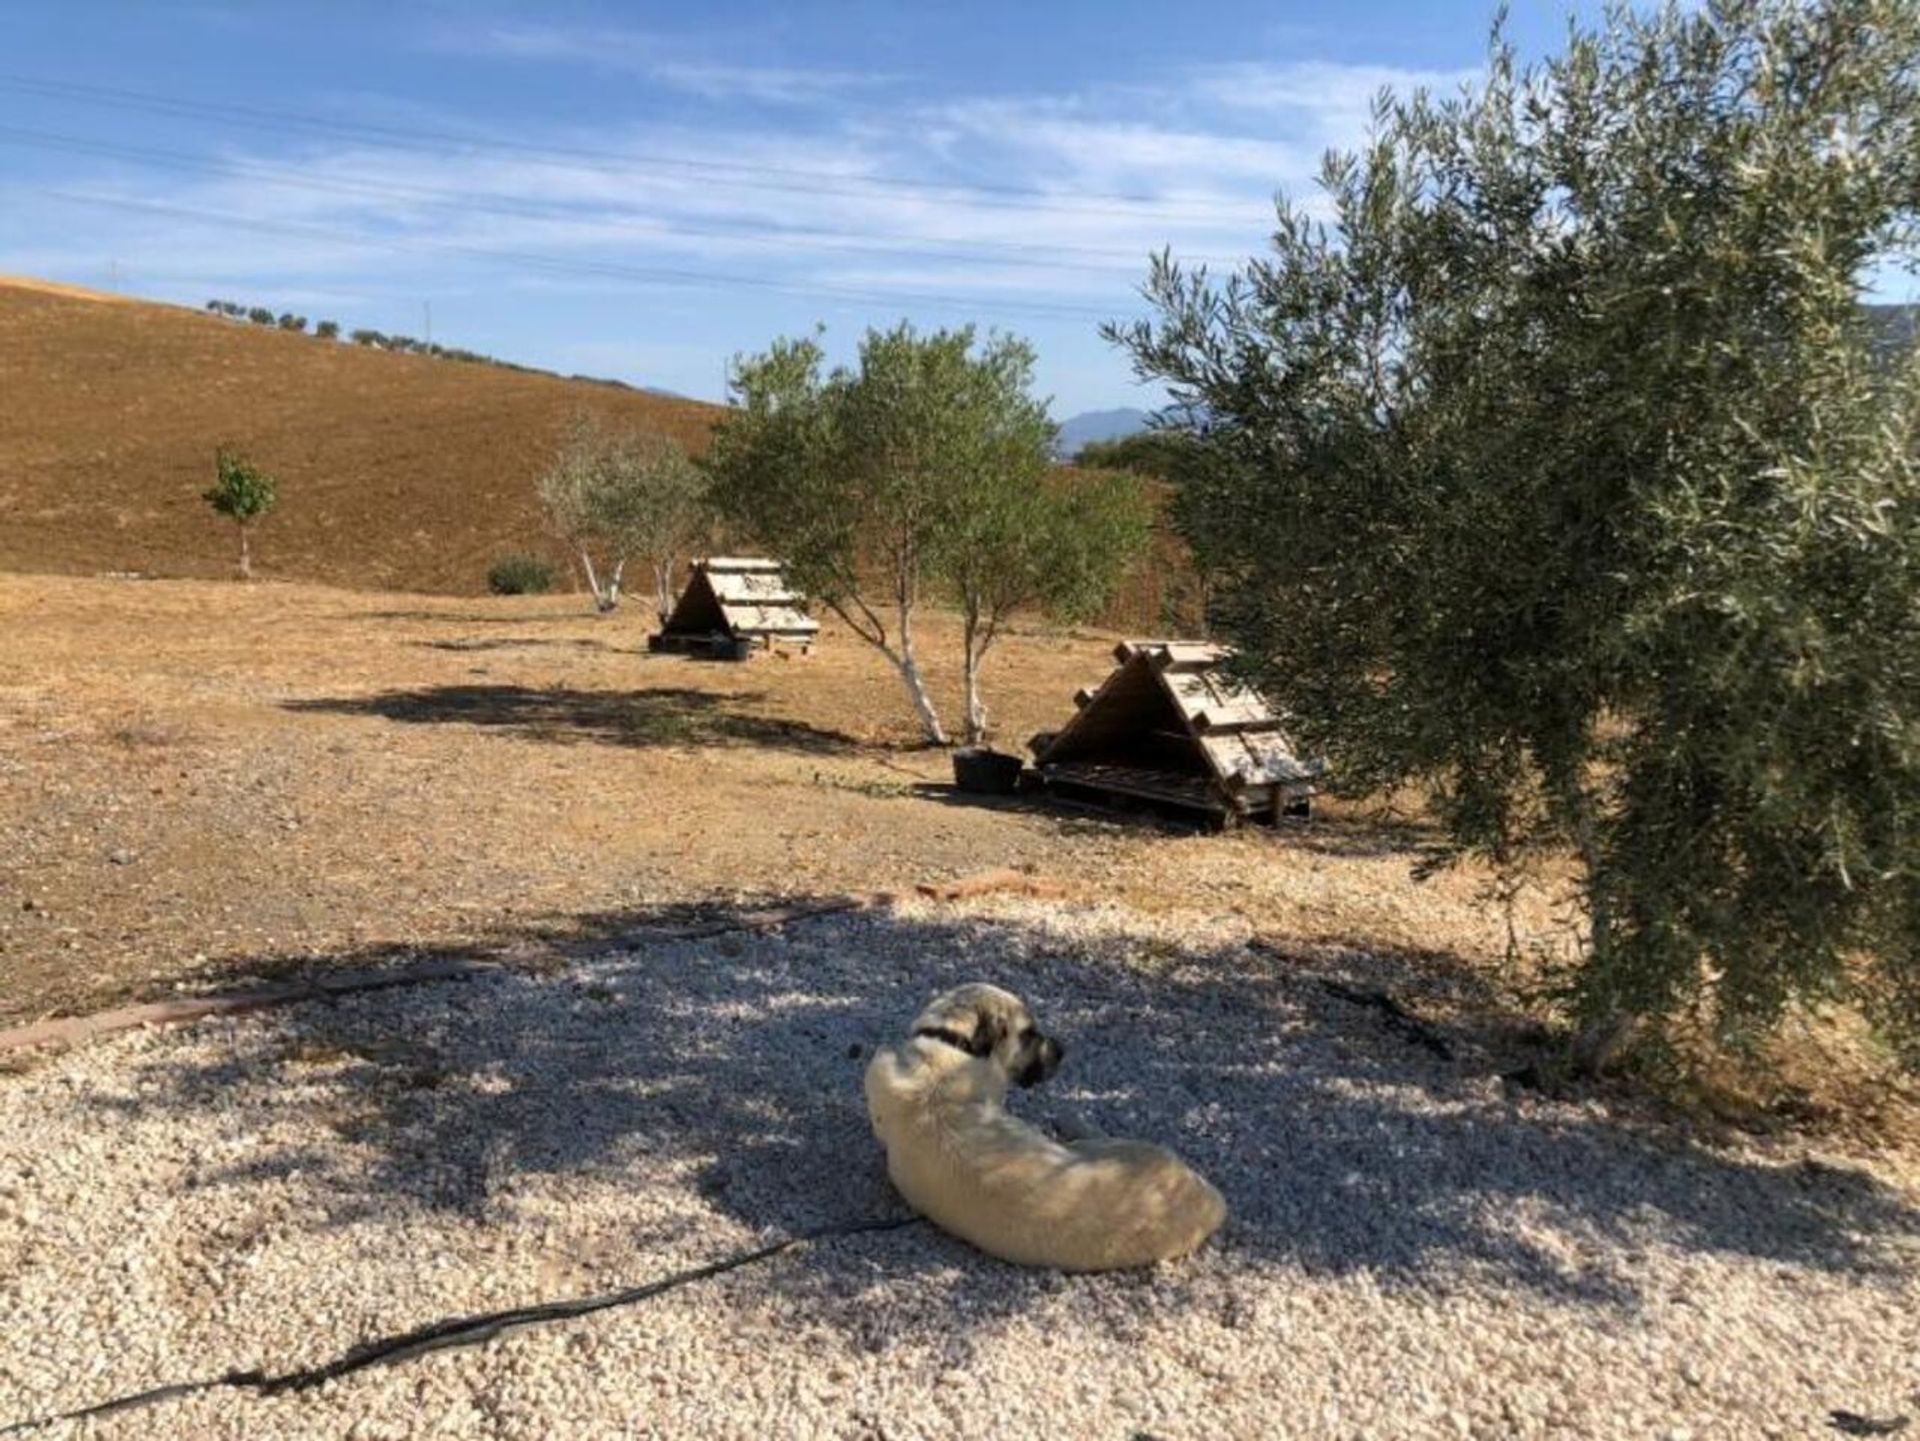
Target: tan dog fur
column 973, row 1169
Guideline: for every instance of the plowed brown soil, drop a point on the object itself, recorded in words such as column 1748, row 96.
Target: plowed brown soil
column 396, row 471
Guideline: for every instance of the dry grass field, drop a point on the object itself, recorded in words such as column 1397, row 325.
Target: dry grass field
column 206, row 777
column 204, row 781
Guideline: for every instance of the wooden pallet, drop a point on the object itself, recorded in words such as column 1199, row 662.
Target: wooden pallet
column 711, row 647
column 1118, row 785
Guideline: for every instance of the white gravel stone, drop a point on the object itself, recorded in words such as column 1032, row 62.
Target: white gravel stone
column 1412, row 1252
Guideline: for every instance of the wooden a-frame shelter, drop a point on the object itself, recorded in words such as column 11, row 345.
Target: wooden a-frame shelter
column 1169, row 729
column 733, row 604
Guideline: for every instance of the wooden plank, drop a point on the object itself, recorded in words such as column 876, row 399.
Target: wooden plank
column 1082, row 696
column 761, row 619
column 1241, row 759
column 1186, row 654
column 1233, row 715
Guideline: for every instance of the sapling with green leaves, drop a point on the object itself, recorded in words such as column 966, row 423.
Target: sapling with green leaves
column 243, row 493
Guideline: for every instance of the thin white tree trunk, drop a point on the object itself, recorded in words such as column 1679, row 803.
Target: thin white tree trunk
column 909, row 667
column 593, row 579
column 246, row 554
column 663, row 596
column 974, row 651
column 605, row 597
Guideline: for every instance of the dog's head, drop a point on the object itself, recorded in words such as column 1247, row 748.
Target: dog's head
column 993, row 1024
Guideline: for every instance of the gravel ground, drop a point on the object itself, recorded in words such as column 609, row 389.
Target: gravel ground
column 1415, row 1250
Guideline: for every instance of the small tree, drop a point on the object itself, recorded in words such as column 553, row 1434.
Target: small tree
column 327, row 330
column 1558, row 473
column 1025, row 534
column 856, row 477
column 260, row 315
column 622, row 492
column 243, row 492
column 290, row 321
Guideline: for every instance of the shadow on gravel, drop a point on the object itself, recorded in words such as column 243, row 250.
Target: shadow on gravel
column 670, row 716
column 726, row 1071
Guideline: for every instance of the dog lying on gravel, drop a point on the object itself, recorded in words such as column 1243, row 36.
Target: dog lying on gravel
column 990, row 1178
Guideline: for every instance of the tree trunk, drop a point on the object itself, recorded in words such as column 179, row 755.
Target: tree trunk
column 1604, row 1041
column 606, row 597
column 663, row 596
column 593, row 580
column 974, row 651
column 246, row 554
column 611, row 600
column 909, row 668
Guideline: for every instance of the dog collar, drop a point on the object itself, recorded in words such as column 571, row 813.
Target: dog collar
column 952, row 1038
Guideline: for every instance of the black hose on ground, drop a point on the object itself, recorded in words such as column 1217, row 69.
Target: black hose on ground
column 455, row 1331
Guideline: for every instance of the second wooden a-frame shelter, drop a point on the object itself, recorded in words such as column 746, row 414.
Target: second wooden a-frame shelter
column 734, row 604
column 1170, row 729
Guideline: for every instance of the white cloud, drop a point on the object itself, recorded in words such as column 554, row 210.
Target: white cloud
column 1331, row 103
column 767, row 84
column 1026, row 205
column 660, row 59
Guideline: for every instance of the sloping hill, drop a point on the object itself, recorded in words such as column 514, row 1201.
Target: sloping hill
column 397, row 471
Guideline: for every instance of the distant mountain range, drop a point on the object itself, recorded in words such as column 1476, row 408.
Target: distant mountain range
column 1895, row 327
column 1077, row 430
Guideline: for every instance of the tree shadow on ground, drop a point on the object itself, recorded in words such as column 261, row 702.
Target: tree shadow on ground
column 520, row 642
column 1341, row 835
column 562, row 715
column 1086, row 816
column 455, row 617
column 725, row 1071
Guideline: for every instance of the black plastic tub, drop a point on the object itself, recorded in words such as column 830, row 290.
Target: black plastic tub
column 987, row 772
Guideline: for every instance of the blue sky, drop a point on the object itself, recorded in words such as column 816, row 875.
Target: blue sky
column 642, row 191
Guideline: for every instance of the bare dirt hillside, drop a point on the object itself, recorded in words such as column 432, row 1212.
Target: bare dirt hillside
column 397, row 471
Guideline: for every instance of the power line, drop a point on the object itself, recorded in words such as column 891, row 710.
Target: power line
column 776, row 177
column 664, row 277
column 497, row 204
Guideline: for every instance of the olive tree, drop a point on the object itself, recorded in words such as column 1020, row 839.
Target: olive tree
column 1025, row 534
column 1555, row 471
column 243, row 493
column 857, row 476
column 622, row 492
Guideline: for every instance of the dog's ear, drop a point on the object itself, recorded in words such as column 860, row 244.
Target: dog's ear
column 988, row 1030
